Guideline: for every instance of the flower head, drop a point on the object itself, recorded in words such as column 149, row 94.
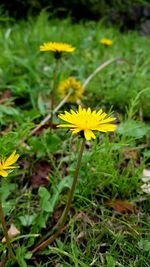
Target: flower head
column 57, row 48
column 5, row 165
column 73, row 86
column 87, row 121
column 106, row 41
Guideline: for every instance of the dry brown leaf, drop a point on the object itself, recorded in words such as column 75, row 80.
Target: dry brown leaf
column 130, row 153
column 5, row 95
column 39, row 178
column 12, row 232
column 121, row 206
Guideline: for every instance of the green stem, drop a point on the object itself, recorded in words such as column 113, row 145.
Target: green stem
column 2, row 218
column 53, row 94
column 62, row 220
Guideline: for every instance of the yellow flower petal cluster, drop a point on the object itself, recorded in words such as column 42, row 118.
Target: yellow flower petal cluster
column 57, row 47
column 73, row 86
column 5, row 165
column 87, row 121
column 106, row 41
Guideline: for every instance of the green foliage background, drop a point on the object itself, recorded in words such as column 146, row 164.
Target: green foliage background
column 79, row 9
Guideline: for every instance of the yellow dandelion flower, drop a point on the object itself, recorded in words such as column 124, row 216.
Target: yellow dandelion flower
column 5, row 165
column 57, row 48
column 106, row 41
column 87, row 121
column 73, row 86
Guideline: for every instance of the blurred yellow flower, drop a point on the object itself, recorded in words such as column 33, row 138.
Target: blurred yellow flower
column 73, row 86
column 106, row 41
column 86, row 121
column 5, row 165
column 57, row 48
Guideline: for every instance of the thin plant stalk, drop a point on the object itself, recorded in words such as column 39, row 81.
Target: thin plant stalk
column 47, row 118
column 2, row 219
column 59, row 226
column 101, row 67
column 53, row 94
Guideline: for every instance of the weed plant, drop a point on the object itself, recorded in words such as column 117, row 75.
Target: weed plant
column 108, row 223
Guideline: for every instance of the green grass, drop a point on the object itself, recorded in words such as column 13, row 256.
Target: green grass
column 112, row 165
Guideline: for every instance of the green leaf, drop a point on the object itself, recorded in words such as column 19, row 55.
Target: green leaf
column 37, row 146
column 133, row 129
column 6, row 189
column 52, row 141
column 8, row 110
column 44, row 199
column 41, row 219
column 28, row 255
column 146, row 154
column 20, row 253
column 64, row 183
column 144, row 244
column 27, row 220
column 110, row 261
column 42, row 105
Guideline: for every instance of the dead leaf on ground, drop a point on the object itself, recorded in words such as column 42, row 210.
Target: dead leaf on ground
column 39, row 178
column 80, row 236
column 12, row 232
column 40, row 130
column 58, row 212
column 121, row 206
column 5, row 95
column 56, row 216
column 130, row 153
